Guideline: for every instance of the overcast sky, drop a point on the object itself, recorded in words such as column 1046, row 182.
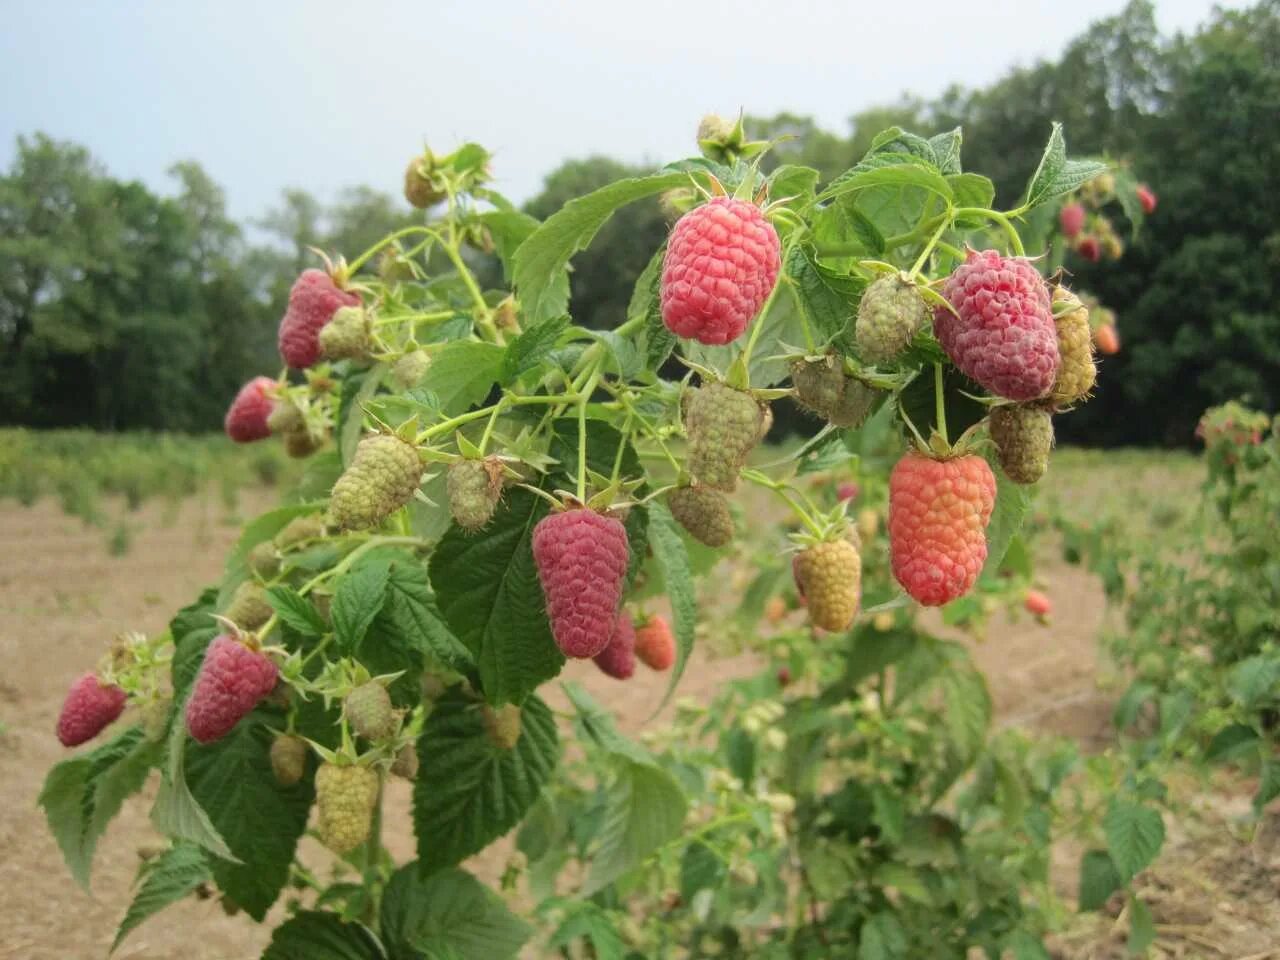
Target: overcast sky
column 268, row 94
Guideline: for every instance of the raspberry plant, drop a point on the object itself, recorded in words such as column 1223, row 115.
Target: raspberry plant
column 487, row 494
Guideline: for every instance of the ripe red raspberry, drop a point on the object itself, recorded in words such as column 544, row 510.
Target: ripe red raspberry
column 618, row 659
column 847, row 491
column 313, row 301
column 1037, row 603
column 938, row 515
column 246, row 418
column 655, row 646
column 1146, row 197
column 232, row 681
column 1107, row 338
column 1089, row 248
column 721, row 264
column 1002, row 333
column 90, row 707
column 581, row 558
column 1071, row 219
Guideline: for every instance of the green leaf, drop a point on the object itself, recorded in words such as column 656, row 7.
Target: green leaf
column 315, row 935
column 261, row 528
column 1268, row 783
column 791, row 180
column 1027, row 946
column 1057, row 176
column 882, row 938
column 176, row 812
column 462, row 373
column 598, row 726
column 586, row 921
column 918, row 402
column 1013, row 503
column 296, row 611
column 1098, row 879
column 1142, row 928
column 967, row 707
column 541, row 259
column 673, row 562
column 946, row 150
column 358, row 598
column 1232, row 743
column 972, row 190
column 701, row 868
column 532, row 347
column 471, row 792
column 827, row 299
column 1255, row 681
column 895, row 174
column 487, row 588
column 1134, row 836
column 644, row 809
column 162, row 882
column 259, row 820
column 357, row 390
column 645, row 309
column 509, row 229
column 447, row 911
column 410, row 620
column 889, row 812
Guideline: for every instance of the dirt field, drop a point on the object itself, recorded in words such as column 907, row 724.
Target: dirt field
column 62, row 597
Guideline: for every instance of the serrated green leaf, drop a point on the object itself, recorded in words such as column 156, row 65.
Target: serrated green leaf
column 1013, row 503
column 1057, row 176
column 889, row 812
column 176, row 813
column 445, row 912
column 1233, row 742
column 882, row 938
column 1255, row 681
column 897, row 174
column 644, row 809
column 410, row 620
column 946, row 151
column 296, row 611
column 598, row 727
column 586, row 921
column 509, row 229
column 701, row 868
column 471, row 792
column 673, row 563
column 357, row 390
column 532, row 347
column 967, row 708
column 259, row 529
column 487, row 588
column 541, row 259
column 1098, row 880
column 972, row 190
column 359, row 596
column 315, row 935
column 827, row 299
column 462, row 373
column 162, row 882
column 645, row 310
column 1268, row 783
column 1134, row 836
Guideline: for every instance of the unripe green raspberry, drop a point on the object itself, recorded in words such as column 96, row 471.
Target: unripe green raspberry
column 369, row 712
column 347, row 335
column 1077, row 372
column 288, row 759
column 406, row 762
column 829, row 575
column 723, row 426
column 889, row 315
column 1023, row 435
column 249, row 608
column 502, row 725
column 409, row 370
column 474, row 487
column 299, row 529
column 854, row 405
column 285, row 417
column 418, row 187
column 382, row 478
column 704, row 513
column 263, row 561
column 819, row 384
column 345, row 799
column 155, row 718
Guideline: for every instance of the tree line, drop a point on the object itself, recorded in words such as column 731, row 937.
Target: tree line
column 121, row 308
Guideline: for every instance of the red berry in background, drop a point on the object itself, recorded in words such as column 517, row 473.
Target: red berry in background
column 90, row 707
column 938, row 515
column 232, row 681
column 581, row 556
column 784, row 676
column 655, row 646
column 618, row 659
column 1001, row 332
column 1107, row 339
column 246, row 418
column 847, row 491
column 1071, row 219
column 1089, row 248
column 1037, row 603
column 1146, row 197
column 313, row 301
column 721, row 264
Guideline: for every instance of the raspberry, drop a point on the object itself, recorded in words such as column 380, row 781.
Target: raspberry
column 285, row 416
column 829, row 577
column 263, row 561
column 1107, row 339
column 345, row 799
column 889, row 315
column 313, row 301
column 724, row 426
column 819, row 384
column 854, row 406
column 288, row 759
column 721, row 264
column 410, row 369
column 1037, row 604
column 418, row 189
column 233, row 679
column 247, row 417
column 299, row 530
column 655, row 646
column 938, row 515
column 581, row 558
column 369, row 712
column 704, row 513
column 474, row 487
column 1076, row 373
column 406, row 762
column 618, row 659
column 1002, row 333
column 382, row 478
column 1071, row 219
column 249, row 608
column 1147, row 198
column 502, row 725
column 1023, row 436
column 89, row 708
column 347, row 335
column 302, row 443
column 847, row 491
column 1089, row 248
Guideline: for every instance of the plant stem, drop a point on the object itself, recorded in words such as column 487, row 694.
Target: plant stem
column 360, row 261
column 928, row 247
column 939, row 403
column 1015, row 241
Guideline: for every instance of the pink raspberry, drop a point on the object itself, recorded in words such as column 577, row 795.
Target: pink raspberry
column 232, row 681
column 1089, row 248
column 90, row 707
column 1146, row 197
column 313, row 301
column 246, row 418
column 618, row 659
column 1071, row 218
column 721, row 264
column 1002, row 333
column 938, row 516
column 581, row 558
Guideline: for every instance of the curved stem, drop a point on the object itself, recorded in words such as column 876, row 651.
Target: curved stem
column 361, row 260
column 1015, row 241
column 929, row 247
column 781, row 489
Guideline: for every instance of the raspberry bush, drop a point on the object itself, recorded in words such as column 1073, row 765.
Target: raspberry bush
column 491, row 488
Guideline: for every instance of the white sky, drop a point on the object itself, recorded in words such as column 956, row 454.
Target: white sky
column 319, row 94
